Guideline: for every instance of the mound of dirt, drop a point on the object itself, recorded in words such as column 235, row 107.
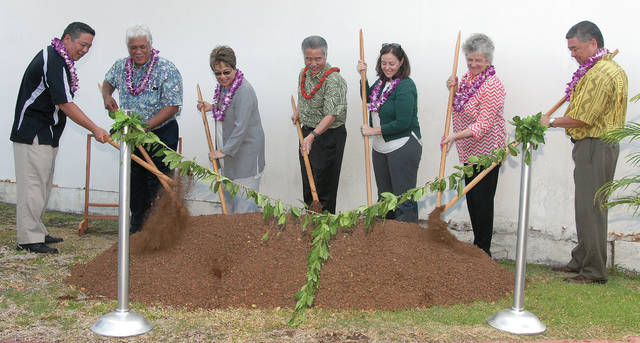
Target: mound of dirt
column 220, row 261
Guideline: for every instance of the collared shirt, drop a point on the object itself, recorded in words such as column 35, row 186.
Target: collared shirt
column 599, row 100
column 164, row 88
column 482, row 114
column 331, row 99
column 45, row 85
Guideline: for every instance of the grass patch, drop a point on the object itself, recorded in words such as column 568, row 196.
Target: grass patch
column 32, row 310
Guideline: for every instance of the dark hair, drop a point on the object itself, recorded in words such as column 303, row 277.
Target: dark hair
column 75, row 29
column 586, row 31
column 405, row 69
column 222, row 53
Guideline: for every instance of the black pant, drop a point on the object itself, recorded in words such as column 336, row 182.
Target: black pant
column 480, row 205
column 326, row 161
column 144, row 184
column 397, row 172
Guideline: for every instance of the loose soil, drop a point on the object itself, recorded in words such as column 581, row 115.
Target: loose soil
column 220, row 261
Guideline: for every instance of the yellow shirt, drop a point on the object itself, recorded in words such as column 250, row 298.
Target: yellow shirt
column 599, row 100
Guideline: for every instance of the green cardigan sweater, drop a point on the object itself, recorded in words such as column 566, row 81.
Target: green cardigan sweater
column 399, row 114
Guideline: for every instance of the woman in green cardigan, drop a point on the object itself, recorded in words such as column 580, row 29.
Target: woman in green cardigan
column 394, row 129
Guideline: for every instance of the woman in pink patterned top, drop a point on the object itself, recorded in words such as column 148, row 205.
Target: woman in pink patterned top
column 478, row 128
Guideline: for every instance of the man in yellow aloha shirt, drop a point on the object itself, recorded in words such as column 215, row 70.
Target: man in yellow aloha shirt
column 598, row 103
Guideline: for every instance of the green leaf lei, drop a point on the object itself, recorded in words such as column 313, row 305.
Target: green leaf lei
column 325, row 225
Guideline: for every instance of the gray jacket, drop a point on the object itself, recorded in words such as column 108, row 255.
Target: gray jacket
column 242, row 135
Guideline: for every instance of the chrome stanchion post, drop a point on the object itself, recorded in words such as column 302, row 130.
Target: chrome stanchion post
column 123, row 322
column 516, row 320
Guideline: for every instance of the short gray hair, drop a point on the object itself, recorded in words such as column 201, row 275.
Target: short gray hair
column 138, row 31
column 315, row 42
column 479, row 42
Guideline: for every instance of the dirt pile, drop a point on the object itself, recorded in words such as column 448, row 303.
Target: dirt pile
column 221, row 261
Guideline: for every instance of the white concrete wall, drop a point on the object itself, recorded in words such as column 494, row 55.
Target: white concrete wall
column 531, row 58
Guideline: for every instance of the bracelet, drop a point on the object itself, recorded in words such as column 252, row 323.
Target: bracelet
column 315, row 134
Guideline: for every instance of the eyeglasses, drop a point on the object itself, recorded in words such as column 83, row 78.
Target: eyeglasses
column 394, row 45
column 225, row 73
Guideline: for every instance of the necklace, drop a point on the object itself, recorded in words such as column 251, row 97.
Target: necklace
column 582, row 70
column 376, row 100
column 145, row 80
column 468, row 89
column 71, row 65
column 317, row 87
column 220, row 105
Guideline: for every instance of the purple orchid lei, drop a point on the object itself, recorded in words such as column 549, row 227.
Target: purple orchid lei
column 583, row 69
column 71, row 65
column 467, row 90
column 376, row 100
column 145, row 80
column 220, row 106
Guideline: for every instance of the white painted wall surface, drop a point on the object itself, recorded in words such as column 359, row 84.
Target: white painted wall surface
column 531, row 58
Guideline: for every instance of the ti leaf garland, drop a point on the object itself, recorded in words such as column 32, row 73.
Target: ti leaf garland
column 325, row 225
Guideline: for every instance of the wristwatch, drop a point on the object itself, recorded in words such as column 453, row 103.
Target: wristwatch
column 315, row 134
column 551, row 123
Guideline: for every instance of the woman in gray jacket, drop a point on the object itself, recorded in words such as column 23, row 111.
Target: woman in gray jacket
column 239, row 134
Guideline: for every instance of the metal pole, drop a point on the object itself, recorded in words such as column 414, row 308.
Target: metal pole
column 516, row 320
column 123, row 322
column 124, row 222
column 521, row 243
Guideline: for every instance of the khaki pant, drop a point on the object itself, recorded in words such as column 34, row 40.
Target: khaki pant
column 34, row 175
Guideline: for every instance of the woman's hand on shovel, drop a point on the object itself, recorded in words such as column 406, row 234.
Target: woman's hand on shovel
column 216, row 154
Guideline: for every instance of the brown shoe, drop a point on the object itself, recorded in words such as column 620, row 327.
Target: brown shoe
column 564, row 269
column 583, row 279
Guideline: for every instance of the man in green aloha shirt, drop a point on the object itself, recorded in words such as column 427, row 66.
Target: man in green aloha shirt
column 322, row 97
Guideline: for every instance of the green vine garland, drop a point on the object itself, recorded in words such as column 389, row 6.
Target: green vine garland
column 325, row 225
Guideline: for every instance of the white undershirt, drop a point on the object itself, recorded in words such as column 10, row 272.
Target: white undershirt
column 377, row 141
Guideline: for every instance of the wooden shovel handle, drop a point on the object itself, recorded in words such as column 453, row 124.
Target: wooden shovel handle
column 164, row 184
column 305, row 155
column 365, row 121
column 474, row 182
column 447, row 124
column 213, row 160
column 146, row 165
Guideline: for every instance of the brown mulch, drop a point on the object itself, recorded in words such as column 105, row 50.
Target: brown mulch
column 220, row 261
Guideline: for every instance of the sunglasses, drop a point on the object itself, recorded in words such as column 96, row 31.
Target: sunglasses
column 394, row 45
column 225, row 73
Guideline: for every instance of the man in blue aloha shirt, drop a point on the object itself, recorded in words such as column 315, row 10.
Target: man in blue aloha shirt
column 152, row 87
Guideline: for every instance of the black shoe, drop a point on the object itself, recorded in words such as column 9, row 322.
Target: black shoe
column 50, row 239
column 39, row 248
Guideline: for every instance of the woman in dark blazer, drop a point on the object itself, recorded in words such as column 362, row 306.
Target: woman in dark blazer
column 394, row 129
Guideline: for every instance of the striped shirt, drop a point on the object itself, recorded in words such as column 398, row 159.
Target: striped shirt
column 45, row 85
column 599, row 100
column 482, row 114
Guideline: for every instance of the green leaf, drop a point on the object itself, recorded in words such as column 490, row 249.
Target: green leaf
column 282, row 219
column 234, row 190
column 295, row 211
column 265, row 236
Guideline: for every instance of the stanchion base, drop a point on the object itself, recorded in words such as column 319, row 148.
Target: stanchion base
column 518, row 322
column 121, row 324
